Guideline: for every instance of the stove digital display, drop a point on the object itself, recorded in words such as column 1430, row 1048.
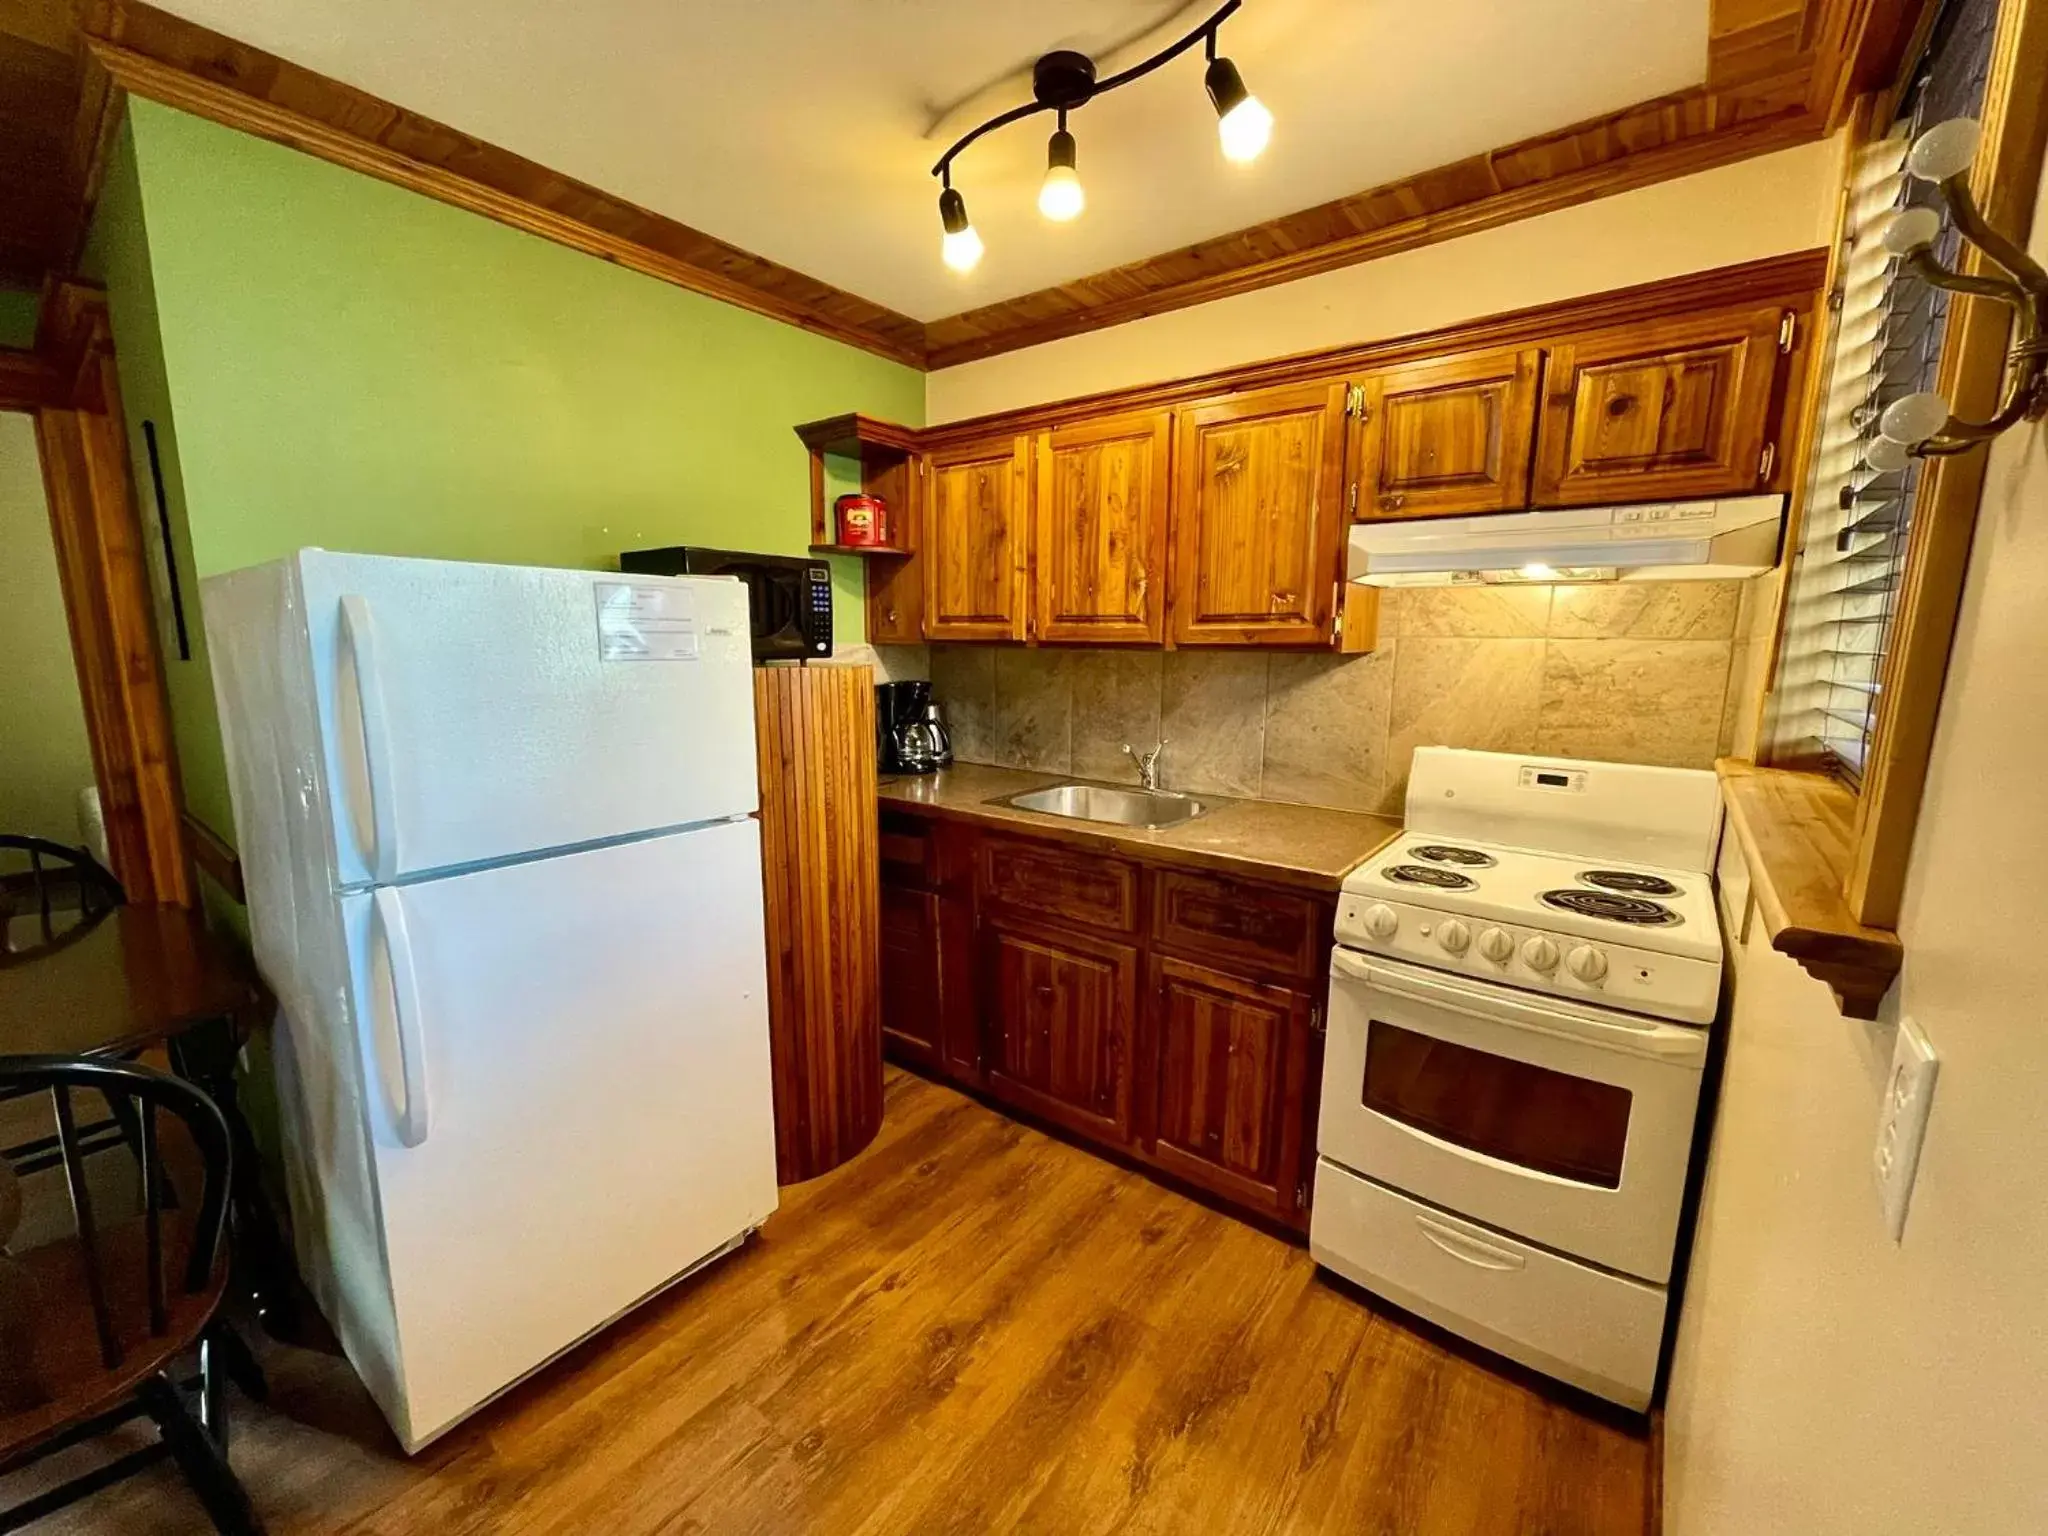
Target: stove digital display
column 1554, row 780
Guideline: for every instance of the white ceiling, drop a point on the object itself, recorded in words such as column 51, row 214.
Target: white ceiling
column 796, row 128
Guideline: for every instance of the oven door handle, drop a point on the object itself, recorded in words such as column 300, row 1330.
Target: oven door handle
column 1468, row 1249
column 1671, row 1041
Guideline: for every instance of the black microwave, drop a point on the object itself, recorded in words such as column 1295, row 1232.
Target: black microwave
column 789, row 598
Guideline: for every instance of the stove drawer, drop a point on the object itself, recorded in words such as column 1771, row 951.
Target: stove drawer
column 1596, row 1330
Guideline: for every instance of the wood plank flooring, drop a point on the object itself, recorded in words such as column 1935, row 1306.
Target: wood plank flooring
column 970, row 1328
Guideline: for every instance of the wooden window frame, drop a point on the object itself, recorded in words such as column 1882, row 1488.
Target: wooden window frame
column 1828, row 863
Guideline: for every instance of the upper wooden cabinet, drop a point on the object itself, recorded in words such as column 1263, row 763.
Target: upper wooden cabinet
column 1662, row 409
column 1447, row 437
column 1099, row 520
column 1258, row 519
column 975, row 540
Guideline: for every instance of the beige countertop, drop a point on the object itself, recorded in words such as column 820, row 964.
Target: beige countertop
column 1308, row 846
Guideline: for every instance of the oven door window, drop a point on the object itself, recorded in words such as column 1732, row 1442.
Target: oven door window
column 1550, row 1122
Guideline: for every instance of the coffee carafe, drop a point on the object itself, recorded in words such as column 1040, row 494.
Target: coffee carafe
column 912, row 739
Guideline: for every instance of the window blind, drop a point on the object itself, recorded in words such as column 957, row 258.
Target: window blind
column 1885, row 343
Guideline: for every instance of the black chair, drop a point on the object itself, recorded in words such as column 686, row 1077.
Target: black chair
column 66, row 890
column 115, row 1306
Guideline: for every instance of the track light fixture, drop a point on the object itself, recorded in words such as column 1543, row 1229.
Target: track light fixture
column 960, row 247
column 1064, row 81
column 1060, row 196
column 1921, row 425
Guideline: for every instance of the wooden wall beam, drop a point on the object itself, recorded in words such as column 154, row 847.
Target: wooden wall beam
column 104, row 574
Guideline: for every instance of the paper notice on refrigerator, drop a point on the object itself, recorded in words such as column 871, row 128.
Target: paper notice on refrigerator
column 636, row 623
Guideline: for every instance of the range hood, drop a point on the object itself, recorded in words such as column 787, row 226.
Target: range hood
column 1664, row 541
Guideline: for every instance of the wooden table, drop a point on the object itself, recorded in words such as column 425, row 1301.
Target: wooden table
column 136, row 979
column 144, row 978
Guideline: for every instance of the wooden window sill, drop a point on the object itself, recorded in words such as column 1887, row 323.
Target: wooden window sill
column 1797, row 832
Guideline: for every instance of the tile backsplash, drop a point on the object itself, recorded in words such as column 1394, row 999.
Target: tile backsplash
column 1638, row 671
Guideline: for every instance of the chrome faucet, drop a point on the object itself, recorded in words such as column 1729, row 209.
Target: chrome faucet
column 1148, row 764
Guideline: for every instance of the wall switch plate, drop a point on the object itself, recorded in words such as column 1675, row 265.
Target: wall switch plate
column 1902, row 1122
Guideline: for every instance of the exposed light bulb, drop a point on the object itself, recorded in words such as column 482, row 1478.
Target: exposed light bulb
column 1910, row 230
column 960, row 248
column 1886, row 456
column 1536, row 570
column 1944, row 150
column 1914, row 418
column 1060, row 195
column 1242, row 121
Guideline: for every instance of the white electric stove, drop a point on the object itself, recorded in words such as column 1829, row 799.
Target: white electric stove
column 1516, row 1035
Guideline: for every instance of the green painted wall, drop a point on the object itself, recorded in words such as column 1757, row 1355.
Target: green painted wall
column 354, row 366
column 17, row 317
column 45, row 757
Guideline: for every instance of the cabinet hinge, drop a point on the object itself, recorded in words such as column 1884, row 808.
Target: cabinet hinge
column 1301, row 1194
column 1351, row 499
column 1315, row 1019
column 1788, row 327
column 1354, row 399
column 1766, row 461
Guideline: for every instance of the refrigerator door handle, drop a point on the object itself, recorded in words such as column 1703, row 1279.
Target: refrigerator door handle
column 416, row 1110
column 359, row 634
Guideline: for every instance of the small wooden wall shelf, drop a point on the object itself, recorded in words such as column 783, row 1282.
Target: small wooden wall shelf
column 1797, row 834
column 887, row 456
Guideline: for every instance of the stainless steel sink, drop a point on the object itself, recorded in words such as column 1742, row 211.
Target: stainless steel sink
column 1146, row 808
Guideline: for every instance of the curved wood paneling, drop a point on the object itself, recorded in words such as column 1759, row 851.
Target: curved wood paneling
column 815, row 732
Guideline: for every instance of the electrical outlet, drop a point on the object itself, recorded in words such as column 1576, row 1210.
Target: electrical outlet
column 1902, row 1122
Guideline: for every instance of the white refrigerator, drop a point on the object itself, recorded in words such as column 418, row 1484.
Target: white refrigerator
column 494, row 826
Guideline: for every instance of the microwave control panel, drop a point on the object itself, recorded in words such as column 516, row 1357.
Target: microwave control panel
column 816, row 617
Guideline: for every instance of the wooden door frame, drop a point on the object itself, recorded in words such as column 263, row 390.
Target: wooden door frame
column 69, row 386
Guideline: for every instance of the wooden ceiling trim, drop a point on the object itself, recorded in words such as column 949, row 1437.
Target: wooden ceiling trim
column 1793, row 280
column 1779, row 73
column 166, row 59
column 1650, row 143
column 27, row 383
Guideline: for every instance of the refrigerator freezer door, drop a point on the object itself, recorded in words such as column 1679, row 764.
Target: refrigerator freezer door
column 567, row 1095
column 471, row 713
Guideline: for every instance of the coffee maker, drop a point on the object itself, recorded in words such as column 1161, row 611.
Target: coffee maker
column 912, row 737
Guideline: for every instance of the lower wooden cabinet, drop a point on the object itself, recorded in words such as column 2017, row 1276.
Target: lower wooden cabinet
column 912, row 1024
column 1169, row 1015
column 1231, row 1083
column 1059, row 1008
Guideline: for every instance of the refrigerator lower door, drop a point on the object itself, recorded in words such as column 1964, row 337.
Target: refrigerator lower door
column 568, row 1099
column 472, row 713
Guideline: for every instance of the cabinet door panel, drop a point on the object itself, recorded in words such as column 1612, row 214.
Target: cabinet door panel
column 1448, row 437
column 1232, row 1081
column 1664, row 409
column 910, row 974
column 1061, row 1006
column 1257, row 519
column 1100, row 549
column 974, row 537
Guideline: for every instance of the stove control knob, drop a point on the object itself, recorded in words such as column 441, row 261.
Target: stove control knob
column 1540, row 954
column 1381, row 920
column 1453, row 935
column 1587, row 963
column 1497, row 944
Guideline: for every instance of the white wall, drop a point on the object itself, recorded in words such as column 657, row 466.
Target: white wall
column 45, row 759
column 1826, row 1380
column 1761, row 207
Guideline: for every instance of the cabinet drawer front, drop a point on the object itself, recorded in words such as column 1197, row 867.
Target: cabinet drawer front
column 1058, row 882
column 1212, row 919
column 908, row 850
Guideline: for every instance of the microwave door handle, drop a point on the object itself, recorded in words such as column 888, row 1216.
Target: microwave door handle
column 1468, row 1249
column 1650, row 1039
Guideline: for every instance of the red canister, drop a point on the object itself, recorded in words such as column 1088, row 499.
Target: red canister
column 862, row 519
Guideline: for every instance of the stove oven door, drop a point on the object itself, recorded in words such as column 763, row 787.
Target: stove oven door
column 1565, row 1123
